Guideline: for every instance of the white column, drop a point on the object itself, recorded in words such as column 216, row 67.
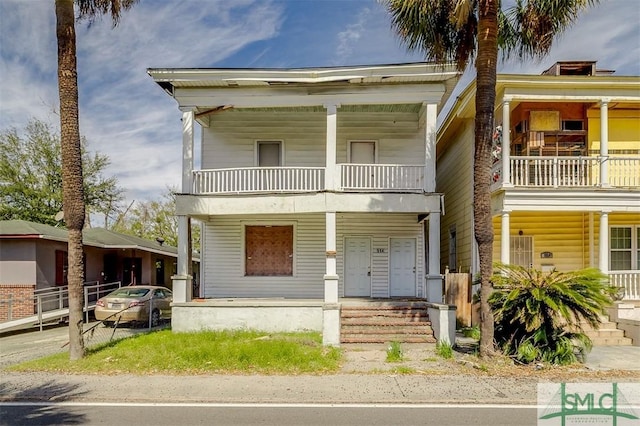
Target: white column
column 330, row 277
column 182, row 279
column 592, row 241
column 603, row 259
column 604, row 143
column 331, row 307
column 330, row 173
column 187, row 151
column 504, row 238
column 506, row 144
column 430, row 138
column 434, row 277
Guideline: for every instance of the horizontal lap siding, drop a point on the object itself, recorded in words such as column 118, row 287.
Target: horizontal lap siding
column 400, row 141
column 566, row 235
column 455, row 180
column 223, row 260
column 562, row 234
column 223, row 267
column 230, row 140
column 380, row 227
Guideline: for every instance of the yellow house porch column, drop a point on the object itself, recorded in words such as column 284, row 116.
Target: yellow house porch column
column 604, row 143
column 182, row 279
column 504, row 238
column 604, row 243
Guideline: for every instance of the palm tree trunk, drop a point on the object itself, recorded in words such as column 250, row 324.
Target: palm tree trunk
column 486, row 67
column 72, row 189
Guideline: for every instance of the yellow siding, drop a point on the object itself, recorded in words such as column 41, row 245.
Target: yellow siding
column 455, row 180
column 566, row 235
column 624, row 129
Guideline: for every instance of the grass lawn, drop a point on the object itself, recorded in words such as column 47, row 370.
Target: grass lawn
column 164, row 352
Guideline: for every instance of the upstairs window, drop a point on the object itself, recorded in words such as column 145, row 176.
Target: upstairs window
column 269, row 153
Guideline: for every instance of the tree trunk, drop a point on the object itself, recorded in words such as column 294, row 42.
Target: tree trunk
column 72, row 189
column 486, row 67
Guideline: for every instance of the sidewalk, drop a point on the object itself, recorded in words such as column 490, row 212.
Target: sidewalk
column 365, row 377
column 329, row 389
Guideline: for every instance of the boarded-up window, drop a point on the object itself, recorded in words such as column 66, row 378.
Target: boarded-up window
column 269, row 153
column 269, row 251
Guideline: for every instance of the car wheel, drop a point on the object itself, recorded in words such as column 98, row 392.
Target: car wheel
column 155, row 318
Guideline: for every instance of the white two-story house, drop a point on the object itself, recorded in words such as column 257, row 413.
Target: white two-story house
column 315, row 185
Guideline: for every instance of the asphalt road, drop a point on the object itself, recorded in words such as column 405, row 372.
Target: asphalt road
column 264, row 414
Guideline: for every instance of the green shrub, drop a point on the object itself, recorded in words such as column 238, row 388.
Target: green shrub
column 394, row 352
column 538, row 314
column 444, row 350
column 473, row 332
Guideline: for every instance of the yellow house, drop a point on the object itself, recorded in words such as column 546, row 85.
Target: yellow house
column 566, row 174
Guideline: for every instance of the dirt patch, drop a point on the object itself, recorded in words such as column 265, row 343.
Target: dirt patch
column 422, row 358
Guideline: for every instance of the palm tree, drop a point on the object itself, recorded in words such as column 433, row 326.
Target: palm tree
column 463, row 30
column 539, row 315
column 72, row 188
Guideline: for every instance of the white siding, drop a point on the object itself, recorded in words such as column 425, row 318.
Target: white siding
column 223, row 259
column 230, row 140
column 380, row 227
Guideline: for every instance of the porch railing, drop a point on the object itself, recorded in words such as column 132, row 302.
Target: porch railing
column 629, row 280
column 388, row 177
column 258, row 179
column 357, row 177
column 536, row 171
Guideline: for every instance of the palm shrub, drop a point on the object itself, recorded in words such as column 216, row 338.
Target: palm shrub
column 538, row 314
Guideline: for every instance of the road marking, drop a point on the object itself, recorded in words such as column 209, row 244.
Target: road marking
column 259, row 405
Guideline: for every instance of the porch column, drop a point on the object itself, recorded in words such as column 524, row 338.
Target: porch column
column 506, row 144
column 504, row 238
column 434, row 277
column 187, row 151
column 592, row 241
column 431, row 133
column 331, row 177
column 331, row 308
column 604, row 143
column 182, row 279
column 603, row 258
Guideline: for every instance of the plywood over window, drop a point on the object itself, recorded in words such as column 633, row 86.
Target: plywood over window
column 269, row 251
column 544, row 121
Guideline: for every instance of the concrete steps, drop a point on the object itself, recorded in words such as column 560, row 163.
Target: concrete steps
column 383, row 322
column 607, row 334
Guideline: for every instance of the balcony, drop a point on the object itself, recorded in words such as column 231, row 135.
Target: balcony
column 349, row 177
column 569, row 172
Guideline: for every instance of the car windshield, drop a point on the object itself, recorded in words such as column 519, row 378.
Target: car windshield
column 129, row 292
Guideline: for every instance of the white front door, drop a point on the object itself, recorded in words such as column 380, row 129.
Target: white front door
column 357, row 267
column 402, row 267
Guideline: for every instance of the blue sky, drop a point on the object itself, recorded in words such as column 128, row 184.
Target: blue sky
column 125, row 115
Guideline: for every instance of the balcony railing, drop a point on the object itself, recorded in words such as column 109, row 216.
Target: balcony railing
column 350, row 177
column 378, row 177
column 258, row 179
column 629, row 280
column 554, row 172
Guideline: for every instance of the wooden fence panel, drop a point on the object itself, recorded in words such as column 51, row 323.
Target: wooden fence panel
column 458, row 292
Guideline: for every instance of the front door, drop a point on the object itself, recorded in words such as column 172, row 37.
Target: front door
column 402, row 267
column 357, row 267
